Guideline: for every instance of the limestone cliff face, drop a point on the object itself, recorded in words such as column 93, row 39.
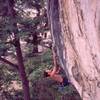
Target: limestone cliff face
column 75, row 30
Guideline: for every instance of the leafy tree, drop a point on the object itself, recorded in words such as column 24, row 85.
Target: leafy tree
column 10, row 19
column 16, row 24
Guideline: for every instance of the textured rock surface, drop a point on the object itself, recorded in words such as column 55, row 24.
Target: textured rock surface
column 75, row 30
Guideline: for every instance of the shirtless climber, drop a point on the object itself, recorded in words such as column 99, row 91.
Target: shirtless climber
column 56, row 73
column 57, row 76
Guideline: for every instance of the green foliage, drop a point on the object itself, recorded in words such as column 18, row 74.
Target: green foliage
column 36, row 65
column 47, row 58
column 7, row 75
column 15, row 19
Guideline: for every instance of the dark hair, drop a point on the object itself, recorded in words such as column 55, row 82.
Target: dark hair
column 46, row 74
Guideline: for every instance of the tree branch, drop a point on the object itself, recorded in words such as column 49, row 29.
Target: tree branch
column 9, row 63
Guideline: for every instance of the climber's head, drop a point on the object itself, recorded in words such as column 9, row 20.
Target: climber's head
column 46, row 74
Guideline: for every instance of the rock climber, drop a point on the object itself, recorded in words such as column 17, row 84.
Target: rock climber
column 57, row 73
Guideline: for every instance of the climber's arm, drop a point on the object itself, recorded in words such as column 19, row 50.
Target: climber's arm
column 53, row 71
column 58, row 69
column 54, row 57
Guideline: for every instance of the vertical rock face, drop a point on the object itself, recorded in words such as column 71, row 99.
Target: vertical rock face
column 75, row 30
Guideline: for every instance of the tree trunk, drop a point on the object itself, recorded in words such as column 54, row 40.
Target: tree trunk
column 25, row 83
column 35, row 34
column 35, row 43
column 75, row 30
column 16, row 42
